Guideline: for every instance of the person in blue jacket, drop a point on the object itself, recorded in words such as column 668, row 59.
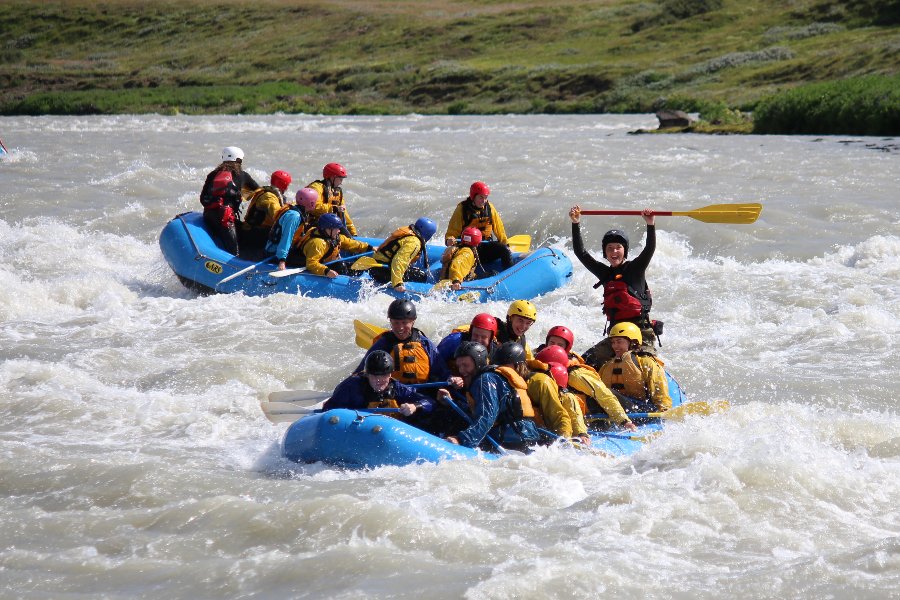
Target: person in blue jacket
column 375, row 388
column 497, row 397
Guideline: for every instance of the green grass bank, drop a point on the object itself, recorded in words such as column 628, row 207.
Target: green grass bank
column 717, row 57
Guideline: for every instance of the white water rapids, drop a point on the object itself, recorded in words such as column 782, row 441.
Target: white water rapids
column 136, row 462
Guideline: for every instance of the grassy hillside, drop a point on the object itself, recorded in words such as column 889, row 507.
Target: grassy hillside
column 431, row 56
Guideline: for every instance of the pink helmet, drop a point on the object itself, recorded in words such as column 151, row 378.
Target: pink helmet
column 307, row 198
column 333, row 170
column 281, row 180
column 479, row 187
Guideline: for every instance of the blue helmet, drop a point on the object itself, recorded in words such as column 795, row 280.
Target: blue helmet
column 426, row 227
column 330, row 221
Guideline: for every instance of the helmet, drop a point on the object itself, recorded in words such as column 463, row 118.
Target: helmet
column 479, row 187
column 626, row 330
column 563, row 332
column 232, row 153
column 560, row 373
column 401, row 309
column 553, row 354
column 379, row 363
column 333, row 170
column 471, row 236
column 523, row 308
column 307, row 198
column 281, row 180
column 473, row 350
column 510, row 353
column 426, row 227
column 615, row 236
column 485, row 321
column 330, row 221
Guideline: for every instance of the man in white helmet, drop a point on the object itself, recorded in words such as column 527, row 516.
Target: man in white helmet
column 221, row 197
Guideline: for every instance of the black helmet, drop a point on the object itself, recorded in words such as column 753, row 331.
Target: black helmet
column 402, row 309
column 473, row 350
column 509, row 353
column 379, row 363
column 615, row 236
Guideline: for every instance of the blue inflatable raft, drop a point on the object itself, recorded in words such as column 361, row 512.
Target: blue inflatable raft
column 202, row 265
column 359, row 439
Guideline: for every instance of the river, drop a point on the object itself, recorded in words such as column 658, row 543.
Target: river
column 136, row 462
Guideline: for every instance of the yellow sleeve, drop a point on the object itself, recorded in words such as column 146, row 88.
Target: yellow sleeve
column 655, row 380
column 573, row 407
column 409, row 249
column 455, row 226
column 355, row 246
column 461, row 265
column 497, row 223
column 529, row 355
column 543, row 391
column 314, row 250
column 272, row 205
column 587, row 383
column 348, row 222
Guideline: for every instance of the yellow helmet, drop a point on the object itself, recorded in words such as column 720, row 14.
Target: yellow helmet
column 522, row 308
column 626, row 330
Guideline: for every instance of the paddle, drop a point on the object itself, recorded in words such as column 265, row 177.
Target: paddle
column 287, row 412
column 244, row 270
column 465, row 417
column 677, row 412
column 309, row 397
column 287, row 272
column 366, row 333
column 741, row 214
column 519, row 243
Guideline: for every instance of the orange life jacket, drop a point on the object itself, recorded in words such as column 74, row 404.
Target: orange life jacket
column 411, row 361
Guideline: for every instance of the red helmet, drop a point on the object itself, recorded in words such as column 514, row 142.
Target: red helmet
column 471, row 236
column 563, row 332
column 479, row 187
column 281, row 180
column 333, row 170
column 553, row 354
column 485, row 321
column 560, row 374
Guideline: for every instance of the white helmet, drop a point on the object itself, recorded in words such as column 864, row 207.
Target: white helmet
column 232, row 153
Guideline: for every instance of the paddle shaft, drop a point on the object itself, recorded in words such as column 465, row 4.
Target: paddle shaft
column 714, row 213
column 287, row 272
column 465, row 417
column 244, row 270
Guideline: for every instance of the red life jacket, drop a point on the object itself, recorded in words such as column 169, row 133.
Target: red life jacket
column 621, row 302
column 222, row 191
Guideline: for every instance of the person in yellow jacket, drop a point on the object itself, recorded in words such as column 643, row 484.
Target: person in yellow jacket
column 263, row 210
column 584, row 381
column 475, row 211
column 400, row 251
column 555, row 407
column 331, row 195
column 458, row 263
column 324, row 242
column 637, row 380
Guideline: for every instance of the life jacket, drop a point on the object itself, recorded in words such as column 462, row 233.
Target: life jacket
column 448, row 256
column 574, row 365
column 390, row 245
column 505, row 334
column 480, row 218
column 621, row 302
column 334, row 246
column 410, row 357
column 386, row 399
column 331, row 196
column 624, row 375
column 258, row 216
column 521, row 406
column 276, row 230
column 223, row 191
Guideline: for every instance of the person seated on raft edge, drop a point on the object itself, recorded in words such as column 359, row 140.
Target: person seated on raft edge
column 555, row 407
column 400, row 250
column 331, row 195
column 496, row 396
column 637, row 381
column 626, row 296
column 520, row 316
column 324, row 243
column 584, row 381
column 374, row 387
column 263, row 211
column 475, row 211
column 460, row 262
column 482, row 329
column 291, row 225
column 221, row 197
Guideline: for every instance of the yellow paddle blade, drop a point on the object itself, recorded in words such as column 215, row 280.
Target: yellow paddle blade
column 742, row 214
column 366, row 333
column 366, row 262
column 519, row 243
column 693, row 408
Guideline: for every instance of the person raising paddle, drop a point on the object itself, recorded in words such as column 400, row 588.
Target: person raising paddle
column 626, row 296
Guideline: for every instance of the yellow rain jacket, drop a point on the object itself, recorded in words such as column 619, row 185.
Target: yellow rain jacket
column 401, row 249
column 638, row 377
column 550, row 413
column 264, row 207
column 329, row 199
column 458, row 265
column 487, row 219
column 319, row 249
column 584, row 380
